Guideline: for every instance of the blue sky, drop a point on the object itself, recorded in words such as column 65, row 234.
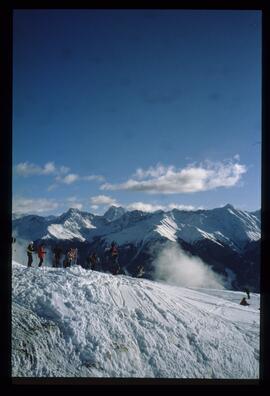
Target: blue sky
column 146, row 109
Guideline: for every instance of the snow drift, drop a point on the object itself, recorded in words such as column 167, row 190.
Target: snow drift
column 78, row 323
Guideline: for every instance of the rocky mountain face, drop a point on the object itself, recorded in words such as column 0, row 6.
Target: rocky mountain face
column 225, row 238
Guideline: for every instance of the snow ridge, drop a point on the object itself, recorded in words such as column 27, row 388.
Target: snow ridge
column 76, row 322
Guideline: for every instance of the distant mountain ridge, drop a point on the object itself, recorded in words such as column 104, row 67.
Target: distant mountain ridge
column 223, row 237
column 225, row 225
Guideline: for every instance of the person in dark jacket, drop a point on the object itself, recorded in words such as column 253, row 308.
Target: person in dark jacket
column 93, row 261
column 41, row 254
column 57, row 251
column 244, row 301
column 113, row 257
column 30, row 250
column 247, row 291
column 68, row 258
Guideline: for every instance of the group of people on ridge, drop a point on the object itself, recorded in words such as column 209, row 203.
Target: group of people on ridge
column 92, row 260
column 70, row 257
column 40, row 252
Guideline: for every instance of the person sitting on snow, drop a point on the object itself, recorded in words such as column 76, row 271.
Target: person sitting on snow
column 244, row 301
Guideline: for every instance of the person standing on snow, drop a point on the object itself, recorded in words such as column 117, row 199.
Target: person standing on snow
column 114, row 265
column 57, row 251
column 247, row 291
column 93, row 260
column 68, row 259
column 41, row 254
column 73, row 254
column 30, row 250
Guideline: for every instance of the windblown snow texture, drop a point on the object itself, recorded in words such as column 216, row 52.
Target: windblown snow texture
column 78, row 323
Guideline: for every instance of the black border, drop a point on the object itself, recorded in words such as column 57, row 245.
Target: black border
column 6, row 189
column 6, row 192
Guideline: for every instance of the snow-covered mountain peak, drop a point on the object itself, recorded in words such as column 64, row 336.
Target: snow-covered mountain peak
column 225, row 225
column 74, row 213
column 71, row 225
column 114, row 213
column 228, row 206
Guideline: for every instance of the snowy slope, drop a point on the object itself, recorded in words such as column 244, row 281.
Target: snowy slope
column 76, row 322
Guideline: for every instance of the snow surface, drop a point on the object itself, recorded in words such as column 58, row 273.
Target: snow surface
column 81, row 323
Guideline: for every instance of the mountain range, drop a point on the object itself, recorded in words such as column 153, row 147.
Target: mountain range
column 226, row 239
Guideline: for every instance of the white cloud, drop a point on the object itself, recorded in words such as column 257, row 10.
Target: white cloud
column 49, row 168
column 157, row 171
column 64, row 169
column 73, row 203
column 70, row 178
column 148, row 207
column 144, row 207
column 72, row 199
column 102, row 200
column 193, row 178
column 27, row 169
column 61, row 174
column 30, row 205
column 182, row 207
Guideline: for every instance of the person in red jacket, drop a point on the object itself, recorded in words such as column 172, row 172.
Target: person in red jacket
column 41, row 254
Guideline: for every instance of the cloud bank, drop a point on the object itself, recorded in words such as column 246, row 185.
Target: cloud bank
column 194, row 178
column 175, row 267
column 148, row 207
column 74, row 203
column 61, row 174
column 102, row 200
column 38, row 205
column 26, row 169
column 105, row 200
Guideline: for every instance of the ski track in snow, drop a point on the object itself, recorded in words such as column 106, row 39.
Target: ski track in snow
column 74, row 322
